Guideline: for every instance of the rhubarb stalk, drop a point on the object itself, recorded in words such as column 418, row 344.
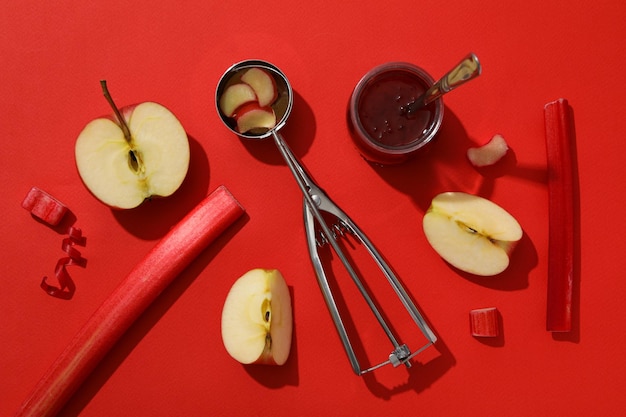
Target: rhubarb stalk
column 560, row 157
column 134, row 294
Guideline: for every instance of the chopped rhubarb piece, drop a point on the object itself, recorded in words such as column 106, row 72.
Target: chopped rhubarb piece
column 484, row 322
column 560, row 159
column 43, row 206
column 134, row 294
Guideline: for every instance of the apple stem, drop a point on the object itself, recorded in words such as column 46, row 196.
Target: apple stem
column 118, row 115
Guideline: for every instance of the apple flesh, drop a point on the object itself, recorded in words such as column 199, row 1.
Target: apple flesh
column 471, row 233
column 263, row 85
column 257, row 319
column 489, row 153
column 236, row 96
column 123, row 172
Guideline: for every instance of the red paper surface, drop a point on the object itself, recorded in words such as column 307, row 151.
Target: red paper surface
column 172, row 362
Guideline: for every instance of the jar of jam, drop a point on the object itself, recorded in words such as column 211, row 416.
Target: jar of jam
column 380, row 125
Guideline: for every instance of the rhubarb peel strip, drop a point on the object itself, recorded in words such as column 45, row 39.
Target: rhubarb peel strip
column 66, row 287
column 135, row 293
column 560, row 158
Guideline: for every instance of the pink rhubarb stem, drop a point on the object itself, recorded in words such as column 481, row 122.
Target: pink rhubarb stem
column 559, row 148
column 135, row 293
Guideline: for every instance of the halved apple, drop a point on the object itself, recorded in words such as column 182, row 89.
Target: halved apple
column 257, row 318
column 471, row 233
column 252, row 116
column 263, row 85
column 124, row 171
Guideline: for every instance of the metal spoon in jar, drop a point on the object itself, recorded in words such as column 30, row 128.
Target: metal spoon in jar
column 468, row 69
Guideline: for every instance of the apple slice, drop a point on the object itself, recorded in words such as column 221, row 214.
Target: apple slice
column 141, row 152
column 236, row 96
column 471, row 233
column 489, row 153
column 263, row 85
column 257, row 318
column 251, row 116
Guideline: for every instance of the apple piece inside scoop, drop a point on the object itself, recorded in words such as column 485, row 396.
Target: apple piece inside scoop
column 471, row 233
column 257, row 319
column 263, row 85
column 236, row 96
column 123, row 173
column 252, row 117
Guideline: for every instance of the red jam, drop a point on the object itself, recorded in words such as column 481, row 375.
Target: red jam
column 381, row 109
column 381, row 127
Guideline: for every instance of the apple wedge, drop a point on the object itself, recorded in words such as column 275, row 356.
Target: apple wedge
column 236, row 96
column 471, row 233
column 263, row 85
column 251, row 116
column 489, row 153
column 257, row 319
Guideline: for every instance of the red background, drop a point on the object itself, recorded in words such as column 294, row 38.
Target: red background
column 172, row 361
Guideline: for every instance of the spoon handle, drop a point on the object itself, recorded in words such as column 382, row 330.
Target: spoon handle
column 468, row 69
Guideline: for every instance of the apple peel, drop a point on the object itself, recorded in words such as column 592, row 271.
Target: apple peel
column 169, row 257
column 560, row 160
column 489, row 153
